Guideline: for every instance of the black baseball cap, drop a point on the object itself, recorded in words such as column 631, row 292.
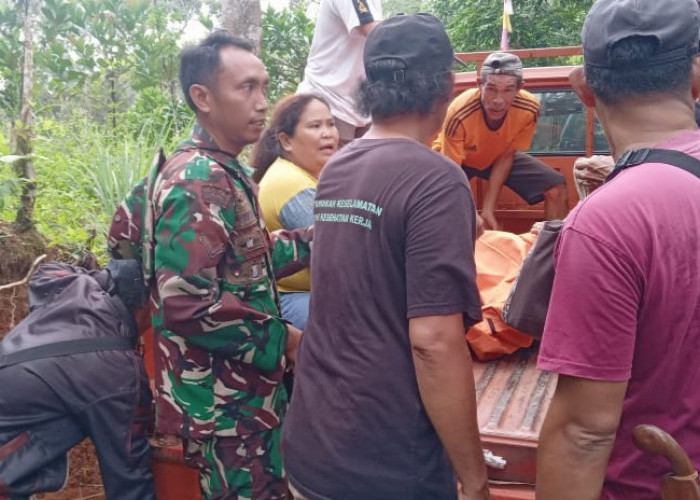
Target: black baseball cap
column 419, row 41
column 674, row 23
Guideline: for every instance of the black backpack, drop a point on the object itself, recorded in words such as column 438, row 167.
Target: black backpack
column 528, row 301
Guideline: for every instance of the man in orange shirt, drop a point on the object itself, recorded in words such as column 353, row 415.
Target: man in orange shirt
column 486, row 130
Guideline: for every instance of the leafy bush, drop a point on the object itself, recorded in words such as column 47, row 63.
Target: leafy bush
column 476, row 25
column 106, row 93
column 9, row 184
column 287, row 37
column 155, row 116
column 82, row 174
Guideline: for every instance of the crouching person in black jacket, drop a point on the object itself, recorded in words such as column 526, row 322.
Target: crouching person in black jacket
column 70, row 370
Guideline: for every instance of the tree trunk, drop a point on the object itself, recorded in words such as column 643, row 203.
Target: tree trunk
column 113, row 104
column 24, row 168
column 243, row 18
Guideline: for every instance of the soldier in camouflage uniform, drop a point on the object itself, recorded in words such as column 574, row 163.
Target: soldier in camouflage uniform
column 196, row 225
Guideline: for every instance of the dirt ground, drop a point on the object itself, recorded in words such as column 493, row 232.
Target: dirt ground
column 84, row 480
column 17, row 252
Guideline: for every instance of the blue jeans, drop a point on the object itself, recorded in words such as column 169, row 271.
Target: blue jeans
column 295, row 307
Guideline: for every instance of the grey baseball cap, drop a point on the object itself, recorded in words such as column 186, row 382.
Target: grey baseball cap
column 674, row 23
column 502, row 63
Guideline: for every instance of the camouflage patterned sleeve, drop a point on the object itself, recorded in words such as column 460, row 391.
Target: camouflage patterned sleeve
column 291, row 251
column 123, row 241
column 200, row 298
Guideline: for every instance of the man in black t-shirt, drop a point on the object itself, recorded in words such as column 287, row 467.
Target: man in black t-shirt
column 384, row 405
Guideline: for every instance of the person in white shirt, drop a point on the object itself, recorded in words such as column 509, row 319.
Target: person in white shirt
column 334, row 67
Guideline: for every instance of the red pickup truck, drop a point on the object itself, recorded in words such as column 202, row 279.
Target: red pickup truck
column 565, row 131
column 512, row 395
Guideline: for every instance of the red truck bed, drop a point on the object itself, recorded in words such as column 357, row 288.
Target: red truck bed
column 513, row 397
column 512, row 401
column 566, row 130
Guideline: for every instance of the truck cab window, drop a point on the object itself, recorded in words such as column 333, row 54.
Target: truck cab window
column 561, row 128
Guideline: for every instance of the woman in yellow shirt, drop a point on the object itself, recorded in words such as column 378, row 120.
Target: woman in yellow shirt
column 288, row 160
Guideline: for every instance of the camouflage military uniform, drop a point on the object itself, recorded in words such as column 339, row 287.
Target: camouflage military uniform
column 220, row 341
column 253, row 466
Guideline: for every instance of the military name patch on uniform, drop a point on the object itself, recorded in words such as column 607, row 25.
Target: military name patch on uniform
column 213, row 248
column 217, row 196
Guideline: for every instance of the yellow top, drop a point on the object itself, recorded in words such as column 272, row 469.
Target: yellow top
column 467, row 139
column 286, row 198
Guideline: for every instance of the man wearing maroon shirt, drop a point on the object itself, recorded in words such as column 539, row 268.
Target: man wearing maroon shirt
column 623, row 329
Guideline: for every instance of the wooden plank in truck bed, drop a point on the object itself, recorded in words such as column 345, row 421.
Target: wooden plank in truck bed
column 513, row 398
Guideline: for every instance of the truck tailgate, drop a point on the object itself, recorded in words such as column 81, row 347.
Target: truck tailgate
column 513, row 397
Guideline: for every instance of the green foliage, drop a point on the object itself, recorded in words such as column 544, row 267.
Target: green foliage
column 10, row 56
column 106, row 96
column 4, row 149
column 106, row 93
column 154, row 116
column 82, row 174
column 392, row 7
column 476, row 25
column 286, row 41
column 110, row 170
column 9, row 184
column 95, row 56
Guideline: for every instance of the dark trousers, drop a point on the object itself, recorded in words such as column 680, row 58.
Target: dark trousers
column 529, row 177
column 48, row 406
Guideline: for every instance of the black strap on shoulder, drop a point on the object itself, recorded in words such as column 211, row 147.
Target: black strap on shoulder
column 77, row 346
column 668, row 156
column 222, row 158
